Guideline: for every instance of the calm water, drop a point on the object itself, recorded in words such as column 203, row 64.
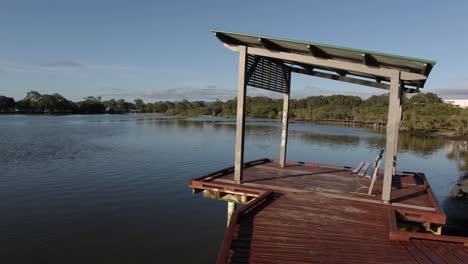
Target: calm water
column 113, row 189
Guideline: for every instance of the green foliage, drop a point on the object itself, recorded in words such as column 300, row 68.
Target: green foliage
column 140, row 106
column 35, row 102
column 91, row 105
column 421, row 112
column 7, row 104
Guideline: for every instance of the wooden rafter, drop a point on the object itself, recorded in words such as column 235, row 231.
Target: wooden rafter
column 369, row 60
column 341, row 78
column 330, row 63
column 318, row 52
column 227, row 39
column 267, row 44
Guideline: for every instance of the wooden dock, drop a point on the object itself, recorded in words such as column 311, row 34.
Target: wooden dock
column 311, row 213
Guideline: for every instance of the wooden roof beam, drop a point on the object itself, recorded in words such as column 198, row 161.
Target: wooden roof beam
column 341, row 72
column 306, row 67
column 311, row 68
column 228, row 40
column 378, row 79
column 330, row 63
column 424, row 71
column 369, row 60
column 269, row 45
column 409, row 90
column 317, row 52
column 341, row 78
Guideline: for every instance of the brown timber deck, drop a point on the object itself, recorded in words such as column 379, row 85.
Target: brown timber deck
column 309, row 213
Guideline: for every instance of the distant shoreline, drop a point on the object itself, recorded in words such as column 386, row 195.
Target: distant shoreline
column 452, row 135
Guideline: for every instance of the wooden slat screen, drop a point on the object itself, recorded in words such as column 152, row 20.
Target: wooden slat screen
column 268, row 74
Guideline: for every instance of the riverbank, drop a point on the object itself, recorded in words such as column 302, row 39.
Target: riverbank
column 447, row 134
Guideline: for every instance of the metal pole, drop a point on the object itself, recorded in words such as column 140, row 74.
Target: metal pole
column 240, row 122
column 394, row 114
column 284, row 130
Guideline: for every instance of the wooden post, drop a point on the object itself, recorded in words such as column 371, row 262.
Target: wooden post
column 240, row 121
column 231, row 209
column 284, row 130
column 399, row 115
column 394, row 116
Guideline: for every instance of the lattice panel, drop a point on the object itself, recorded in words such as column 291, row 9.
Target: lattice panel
column 267, row 74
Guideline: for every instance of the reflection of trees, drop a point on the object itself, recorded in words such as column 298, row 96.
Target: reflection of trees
column 458, row 152
column 328, row 139
column 424, row 146
column 418, row 145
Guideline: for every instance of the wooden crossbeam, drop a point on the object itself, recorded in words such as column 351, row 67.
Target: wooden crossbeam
column 341, row 72
column 341, row 78
column 306, row 67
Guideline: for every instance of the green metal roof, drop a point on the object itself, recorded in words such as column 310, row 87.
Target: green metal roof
column 370, row 58
column 236, row 35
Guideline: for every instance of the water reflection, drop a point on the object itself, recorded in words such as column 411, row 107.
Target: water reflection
column 423, row 146
column 121, row 181
column 458, row 152
column 327, row 139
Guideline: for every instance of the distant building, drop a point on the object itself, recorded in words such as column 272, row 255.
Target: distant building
column 460, row 102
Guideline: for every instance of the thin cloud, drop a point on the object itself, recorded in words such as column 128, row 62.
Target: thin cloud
column 175, row 94
column 209, row 93
column 104, row 89
column 178, row 94
column 453, row 92
column 316, row 91
column 111, row 67
column 65, row 64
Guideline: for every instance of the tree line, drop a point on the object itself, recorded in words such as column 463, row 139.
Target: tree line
column 421, row 112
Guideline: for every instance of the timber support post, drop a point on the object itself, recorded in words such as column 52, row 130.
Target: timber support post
column 284, row 129
column 231, row 210
column 240, row 120
column 393, row 123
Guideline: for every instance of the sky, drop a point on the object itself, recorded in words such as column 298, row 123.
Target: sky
column 164, row 50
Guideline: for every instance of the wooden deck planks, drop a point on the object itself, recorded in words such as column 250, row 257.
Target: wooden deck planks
column 305, row 223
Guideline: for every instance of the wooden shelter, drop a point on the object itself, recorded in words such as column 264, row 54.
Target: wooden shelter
column 267, row 63
column 300, row 212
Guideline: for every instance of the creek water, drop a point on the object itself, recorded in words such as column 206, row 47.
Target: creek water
column 113, row 188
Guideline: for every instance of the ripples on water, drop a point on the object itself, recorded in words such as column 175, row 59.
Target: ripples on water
column 113, row 188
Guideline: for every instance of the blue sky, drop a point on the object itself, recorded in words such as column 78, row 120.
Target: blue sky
column 158, row 50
